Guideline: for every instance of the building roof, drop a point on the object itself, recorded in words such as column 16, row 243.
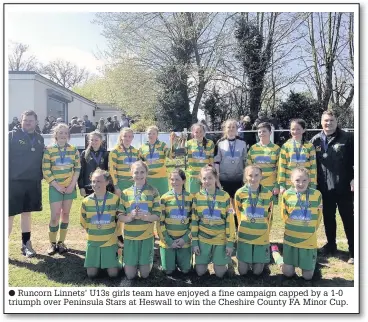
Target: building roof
column 50, row 81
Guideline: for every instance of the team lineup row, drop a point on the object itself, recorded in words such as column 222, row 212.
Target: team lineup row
column 219, row 196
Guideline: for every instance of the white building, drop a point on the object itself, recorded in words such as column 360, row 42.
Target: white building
column 106, row 110
column 30, row 91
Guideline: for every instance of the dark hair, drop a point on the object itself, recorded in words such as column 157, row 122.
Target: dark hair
column 265, row 125
column 204, row 141
column 105, row 174
column 28, row 113
column 213, row 170
column 181, row 174
column 87, row 154
column 303, row 124
column 108, row 118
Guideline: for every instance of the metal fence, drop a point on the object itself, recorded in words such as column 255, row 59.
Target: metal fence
column 111, row 139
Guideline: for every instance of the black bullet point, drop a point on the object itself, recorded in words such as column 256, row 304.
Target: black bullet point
column 11, row 293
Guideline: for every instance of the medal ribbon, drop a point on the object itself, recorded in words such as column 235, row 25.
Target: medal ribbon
column 304, row 207
column 32, row 141
column 100, row 213
column 151, row 151
column 130, row 155
column 253, row 202
column 62, row 154
column 98, row 159
column 181, row 205
column 297, row 150
column 211, row 204
column 200, row 149
column 232, row 148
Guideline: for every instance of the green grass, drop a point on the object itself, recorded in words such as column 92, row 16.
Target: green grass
column 68, row 270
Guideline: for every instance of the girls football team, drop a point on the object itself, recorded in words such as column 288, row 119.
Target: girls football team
column 201, row 216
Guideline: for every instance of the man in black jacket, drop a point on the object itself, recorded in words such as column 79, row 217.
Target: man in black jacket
column 335, row 179
column 25, row 174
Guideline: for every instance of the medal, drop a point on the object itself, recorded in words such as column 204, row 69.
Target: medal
column 100, row 213
column 62, row 155
column 32, row 141
column 304, row 207
column 253, row 202
column 232, row 150
column 33, row 149
column 151, row 151
column 211, row 223
column 232, row 161
column 297, row 152
column 211, row 204
column 200, row 149
column 137, row 197
column 183, row 221
column 324, row 145
column 129, row 155
column 98, row 159
column 252, row 220
column 181, row 205
column 137, row 208
column 324, row 155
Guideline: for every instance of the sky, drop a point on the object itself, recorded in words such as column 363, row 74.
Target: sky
column 51, row 35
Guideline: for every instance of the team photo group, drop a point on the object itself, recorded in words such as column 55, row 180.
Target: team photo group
column 220, row 206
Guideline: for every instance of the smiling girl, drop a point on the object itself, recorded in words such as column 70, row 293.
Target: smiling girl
column 141, row 208
column 61, row 167
column 296, row 152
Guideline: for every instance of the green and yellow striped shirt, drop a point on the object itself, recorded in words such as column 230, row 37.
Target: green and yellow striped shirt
column 254, row 228
column 301, row 226
column 172, row 224
column 267, row 158
column 198, row 156
column 149, row 202
column 288, row 161
column 120, row 163
column 156, row 161
column 106, row 235
column 61, row 168
column 215, row 229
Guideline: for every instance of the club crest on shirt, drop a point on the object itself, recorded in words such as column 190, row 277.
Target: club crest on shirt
column 337, row 146
column 318, row 148
column 22, row 142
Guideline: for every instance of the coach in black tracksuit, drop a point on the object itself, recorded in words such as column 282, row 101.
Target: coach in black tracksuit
column 335, row 179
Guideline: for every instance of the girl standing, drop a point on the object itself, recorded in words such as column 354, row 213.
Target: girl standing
column 121, row 159
column 175, row 225
column 98, row 217
column 230, row 159
column 253, row 204
column 61, row 167
column 265, row 154
column 95, row 156
column 213, row 228
column 296, row 152
column 200, row 153
column 301, row 210
column 154, row 153
column 141, row 208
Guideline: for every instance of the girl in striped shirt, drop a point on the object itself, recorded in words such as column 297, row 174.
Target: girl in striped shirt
column 175, row 226
column 141, row 208
column 295, row 153
column 253, row 204
column 61, row 167
column 301, row 210
column 98, row 217
column 213, row 228
column 154, row 153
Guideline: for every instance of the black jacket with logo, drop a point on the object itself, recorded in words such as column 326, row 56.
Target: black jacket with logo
column 337, row 170
column 25, row 164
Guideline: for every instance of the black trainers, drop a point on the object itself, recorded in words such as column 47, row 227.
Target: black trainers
column 328, row 249
column 52, row 249
column 27, row 250
column 62, row 248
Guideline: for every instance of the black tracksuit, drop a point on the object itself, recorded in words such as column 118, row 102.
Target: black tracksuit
column 334, row 174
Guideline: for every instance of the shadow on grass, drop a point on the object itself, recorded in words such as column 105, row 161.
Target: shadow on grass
column 68, row 269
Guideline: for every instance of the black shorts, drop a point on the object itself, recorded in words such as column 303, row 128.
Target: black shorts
column 231, row 186
column 24, row 196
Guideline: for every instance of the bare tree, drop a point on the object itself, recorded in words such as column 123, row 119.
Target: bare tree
column 65, row 73
column 19, row 58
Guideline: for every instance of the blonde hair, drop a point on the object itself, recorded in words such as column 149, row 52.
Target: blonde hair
column 300, row 170
column 152, row 127
column 209, row 168
column 251, row 167
column 122, row 132
column 100, row 172
column 225, row 125
column 90, row 135
column 198, row 125
column 57, row 129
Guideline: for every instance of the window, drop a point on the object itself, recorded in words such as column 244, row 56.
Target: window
column 57, row 108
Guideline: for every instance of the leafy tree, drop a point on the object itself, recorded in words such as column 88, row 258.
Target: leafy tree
column 216, row 109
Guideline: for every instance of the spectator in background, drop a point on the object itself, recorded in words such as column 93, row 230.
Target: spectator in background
column 248, row 137
column 101, row 127
column 15, row 124
column 75, row 127
column 276, row 125
column 49, row 124
column 59, row 120
column 83, row 126
column 110, row 125
column 124, row 122
column 116, row 123
column 88, row 124
column 262, row 118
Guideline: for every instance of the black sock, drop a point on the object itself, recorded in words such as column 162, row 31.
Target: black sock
column 121, row 238
column 26, row 237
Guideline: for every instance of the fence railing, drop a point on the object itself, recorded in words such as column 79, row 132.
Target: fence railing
column 111, row 139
